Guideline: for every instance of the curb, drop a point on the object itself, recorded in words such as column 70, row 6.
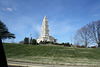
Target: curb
column 22, row 65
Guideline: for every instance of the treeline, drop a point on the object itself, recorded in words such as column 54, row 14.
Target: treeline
column 29, row 41
column 60, row 44
column 88, row 34
column 34, row 42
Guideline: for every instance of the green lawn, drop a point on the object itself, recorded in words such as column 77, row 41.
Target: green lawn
column 52, row 54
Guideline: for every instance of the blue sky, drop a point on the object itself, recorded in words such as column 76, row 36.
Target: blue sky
column 65, row 17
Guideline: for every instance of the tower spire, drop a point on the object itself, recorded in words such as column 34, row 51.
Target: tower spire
column 45, row 18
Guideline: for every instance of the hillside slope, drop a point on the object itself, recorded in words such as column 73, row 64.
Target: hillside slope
column 52, row 54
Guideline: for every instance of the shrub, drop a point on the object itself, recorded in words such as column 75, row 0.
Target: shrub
column 93, row 47
column 83, row 46
column 46, row 42
column 67, row 44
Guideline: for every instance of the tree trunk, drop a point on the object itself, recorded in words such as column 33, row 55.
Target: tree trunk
column 98, row 44
column 3, row 62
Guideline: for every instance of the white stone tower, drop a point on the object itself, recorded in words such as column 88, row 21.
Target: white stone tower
column 45, row 29
column 45, row 32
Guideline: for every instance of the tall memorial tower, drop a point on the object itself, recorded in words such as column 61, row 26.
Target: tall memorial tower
column 45, row 32
column 45, row 28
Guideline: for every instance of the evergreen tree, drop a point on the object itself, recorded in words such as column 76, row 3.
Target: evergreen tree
column 4, row 33
column 26, row 40
column 34, row 42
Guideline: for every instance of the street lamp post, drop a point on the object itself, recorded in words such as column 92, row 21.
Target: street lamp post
column 30, row 38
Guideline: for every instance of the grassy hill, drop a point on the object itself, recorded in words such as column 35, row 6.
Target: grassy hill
column 52, row 54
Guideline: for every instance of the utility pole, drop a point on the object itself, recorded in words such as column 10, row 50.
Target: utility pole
column 30, row 39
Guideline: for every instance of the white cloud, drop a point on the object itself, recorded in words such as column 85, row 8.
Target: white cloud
column 96, row 15
column 9, row 9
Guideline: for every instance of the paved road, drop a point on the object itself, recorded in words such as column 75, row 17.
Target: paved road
column 19, row 64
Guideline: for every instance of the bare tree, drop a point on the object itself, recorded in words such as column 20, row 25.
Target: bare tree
column 82, row 36
column 94, row 31
column 88, row 34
